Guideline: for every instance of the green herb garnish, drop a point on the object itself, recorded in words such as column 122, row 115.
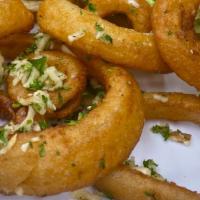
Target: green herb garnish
column 151, row 2
column 16, row 105
column 99, row 28
column 43, row 124
column 197, row 22
column 106, row 38
column 102, row 35
column 3, row 137
column 150, row 164
column 36, row 85
column 39, row 64
column 91, row 7
column 163, row 130
column 42, row 150
column 37, row 107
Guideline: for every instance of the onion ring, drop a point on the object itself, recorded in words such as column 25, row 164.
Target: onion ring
column 172, row 106
column 140, row 16
column 17, row 42
column 75, row 80
column 129, row 184
column 84, row 146
column 99, row 37
column 14, row 17
column 178, row 44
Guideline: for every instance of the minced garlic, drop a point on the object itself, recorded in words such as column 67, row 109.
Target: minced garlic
column 160, row 98
column 76, row 36
column 134, row 3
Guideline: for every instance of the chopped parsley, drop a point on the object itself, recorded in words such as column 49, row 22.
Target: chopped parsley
column 71, row 122
column 169, row 134
column 3, row 137
column 16, row 105
column 42, row 150
column 151, row 2
column 28, row 51
column 81, row 115
column 39, row 64
column 107, row 38
column 91, row 7
column 163, row 130
column 99, row 28
column 150, row 164
column 36, row 85
column 101, row 35
column 37, row 107
column 197, row 22
column 44, row 99
column 43, row 124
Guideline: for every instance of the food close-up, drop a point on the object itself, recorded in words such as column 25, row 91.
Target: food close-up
column 99, row 99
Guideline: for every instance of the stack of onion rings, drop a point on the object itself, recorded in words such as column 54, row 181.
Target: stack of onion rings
column 83, row 146
column 87, row 145
column 128, row 48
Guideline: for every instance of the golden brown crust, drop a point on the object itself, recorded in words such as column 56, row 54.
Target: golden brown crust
column 82, row 147
column 175, row 107
column 129, row 48
column 17, row 42
column 174, row 31
column 69, row 108
column 129, row 184
column 14, row 17
column 140, row 17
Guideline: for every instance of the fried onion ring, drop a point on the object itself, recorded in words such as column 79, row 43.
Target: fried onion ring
column 140, row 16
column 66, row 21
column 17, row 42
column 76, row 80
column 86, row 150
column 172, row 106
column 14, row 17
column 129, row 184
column 174, row 32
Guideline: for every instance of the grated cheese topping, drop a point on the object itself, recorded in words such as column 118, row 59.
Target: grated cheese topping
column 134, row 3
column 29, row 74
column 160, row 98
column 76, row 36
column 39, row 101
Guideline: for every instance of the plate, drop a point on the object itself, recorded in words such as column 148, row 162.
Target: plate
column 176, row 162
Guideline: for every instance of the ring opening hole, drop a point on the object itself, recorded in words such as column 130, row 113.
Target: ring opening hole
column 119, row 19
